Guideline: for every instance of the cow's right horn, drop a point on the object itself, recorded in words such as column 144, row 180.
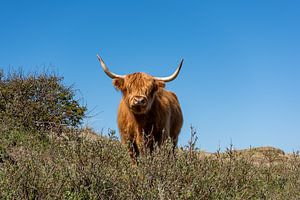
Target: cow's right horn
column 106, row 70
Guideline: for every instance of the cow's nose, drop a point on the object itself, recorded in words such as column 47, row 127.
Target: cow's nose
column 140, row 101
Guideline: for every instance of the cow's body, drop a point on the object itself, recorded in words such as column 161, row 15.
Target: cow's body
column 163, row 120
column 148, row 114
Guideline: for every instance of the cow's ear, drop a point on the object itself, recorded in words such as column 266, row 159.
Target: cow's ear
column 118, row 83
column 160, row 84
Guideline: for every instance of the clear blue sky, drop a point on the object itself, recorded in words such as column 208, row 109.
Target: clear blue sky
column 240, row 82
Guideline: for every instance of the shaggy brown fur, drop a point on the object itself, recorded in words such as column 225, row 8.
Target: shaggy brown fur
column 152, row 123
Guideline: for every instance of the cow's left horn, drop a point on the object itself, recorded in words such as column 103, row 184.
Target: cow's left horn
column 106, row 70
column 173, row 76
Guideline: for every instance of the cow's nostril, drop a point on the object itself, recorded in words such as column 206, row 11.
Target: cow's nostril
column 143, row 100
column 140, row 101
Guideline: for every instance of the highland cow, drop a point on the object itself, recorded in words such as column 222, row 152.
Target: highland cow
column 148, row 114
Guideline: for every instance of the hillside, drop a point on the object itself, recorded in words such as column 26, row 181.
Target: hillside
column 44, row 154
column 81, row 165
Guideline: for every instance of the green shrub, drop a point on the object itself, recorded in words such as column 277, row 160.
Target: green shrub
column 38, row 102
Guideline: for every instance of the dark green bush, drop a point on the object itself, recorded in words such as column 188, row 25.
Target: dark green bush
column 38, row 102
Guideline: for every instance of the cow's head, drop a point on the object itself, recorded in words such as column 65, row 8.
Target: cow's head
column 139, row 89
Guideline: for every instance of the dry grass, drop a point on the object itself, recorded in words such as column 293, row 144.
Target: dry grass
column 82, row 165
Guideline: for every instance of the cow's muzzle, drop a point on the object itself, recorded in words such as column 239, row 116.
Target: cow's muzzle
column 139, row 101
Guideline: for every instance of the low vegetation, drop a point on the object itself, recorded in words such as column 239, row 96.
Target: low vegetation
column 68, row 162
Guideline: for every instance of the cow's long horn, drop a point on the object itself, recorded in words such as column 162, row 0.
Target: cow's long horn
column 173, row 76
column 106, row 70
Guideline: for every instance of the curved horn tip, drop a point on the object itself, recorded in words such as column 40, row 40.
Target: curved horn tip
column 181, row 62
column 106, row 70
column 173, row 76
column 99, row 58
column 101, row 61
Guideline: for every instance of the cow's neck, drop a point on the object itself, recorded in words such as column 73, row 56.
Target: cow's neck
column 146, row 124
column 144, row 119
